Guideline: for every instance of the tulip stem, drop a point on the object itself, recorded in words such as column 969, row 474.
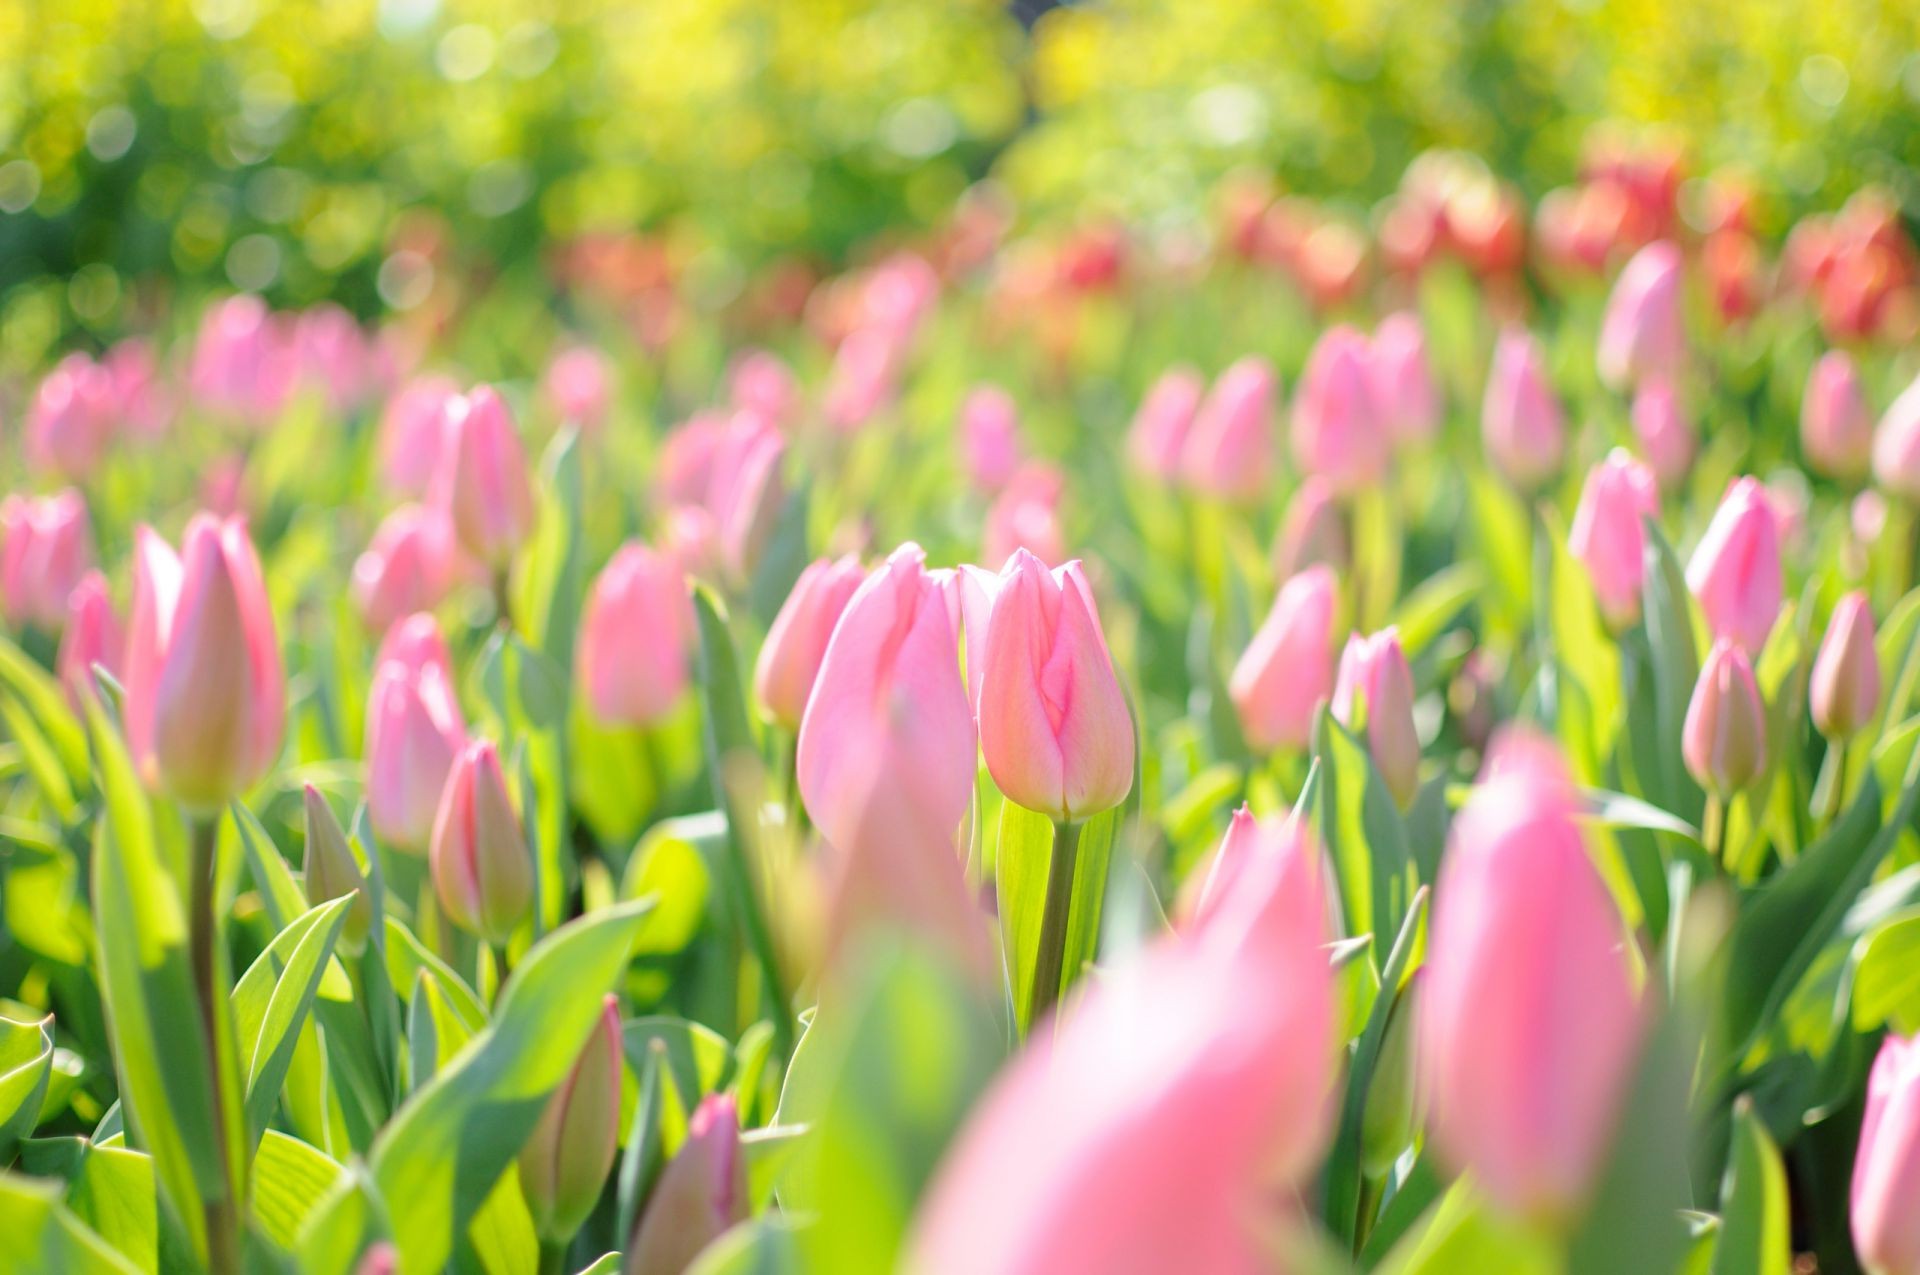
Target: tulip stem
column 1837, row 792
column 553, row 1257
column 1371, row 1189
column 222, row 1226
column 1713, row 829
column 1049, row 962
column 502, row 600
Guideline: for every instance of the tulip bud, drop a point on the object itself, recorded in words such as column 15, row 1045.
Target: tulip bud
column 1661, row 428
column 1054, row 725
column 746, row 493
column 864, row 378
column 990, row 437
column 1205, row 888
column 1337, row 435
column 73, row 417
column 762, row 385
column 45, row 548
column 790, row 658
column 1374, row 691
column 701, row 1192
column 1846, row 673
column 93, row 636
column 1836, row 427
column 1735, row 570
column 143, row 402
column 1287, row 670
column 1522, row 422
column 635, row 638
column 206, row 695
column 408, row 567
column 1643, row 333
column 410, row 432
column 1724, row 740
column 482, row 869
column 1405, row 393
column 481, row 477
column 414, row 733
column 1228, row 452
column 1609, row 536
column 565, row 1161
column 332, row 872
column 417, row 644
column 1886, row 1225
column 1312, row 531
column 244, row 367
column 579, row 386
column 1896, row 445
column 1392, row 1113
column 1529, row 1022
column 1026, row 515
column 1159, row 432
column 332, row 355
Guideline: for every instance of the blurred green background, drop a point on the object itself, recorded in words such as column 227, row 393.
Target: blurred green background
column 148, row 146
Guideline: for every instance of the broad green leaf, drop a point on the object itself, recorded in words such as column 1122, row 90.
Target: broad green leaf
column 669, row 866
column 1668, row 612
column 1432, row 606
column 343, row 1223
column 26, row 1062
column 1021, row 866
column 698, row 1059
column 40, row 1234
column 290, row 1179
column 1755, row 1226
column 112, row 1192
column 407, row 956
column 758, row 1246
column 271, row 1002
column 501, row 1240
column 1462, row 1235
column 45, row 701
column 1886, row 980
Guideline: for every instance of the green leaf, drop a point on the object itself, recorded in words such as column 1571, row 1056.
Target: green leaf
column 1755, row 1236
column 38, row 1233
column 1618, row 810
column 407, row 956
column 1432, row 606
column 698, row 1059
column 1020, row 870
column 1463, row 1236
column 758, row 1246
column 290, row 1179
column 271, row 1002
column 46, row 703
column 112, row 1192
column 26, row 1062
column 668, row 866
column 1668, row 611
column 1886, row 979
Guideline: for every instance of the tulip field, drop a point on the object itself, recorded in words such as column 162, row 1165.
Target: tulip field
column 1034, row 694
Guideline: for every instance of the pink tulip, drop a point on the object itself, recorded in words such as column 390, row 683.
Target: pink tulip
column 864, row 379
column 990, row 437
column 580, row 386
column 1404, row 390
column 145, row 405
column 93, row 636
column 692, row 540
column 1159, row 432
column 701, row 1193
column 1530, row 1022
column 409, row 566
column 1724, row 739
column 1521, row 421
column 1662, row 430
column 1337, row 432
column 1846, row 674
column 1609, row 534
column 45, row 548
column 334, row 356
column 410, row 431
column 1836, row 426
column 1054, row 725
column 244, row 367
column 1867, row 517
column 206, row 695
column 416, row 644
column 482, row 869
column 636, row 637
column 1026, row 515
column 1896, row 445
column 1735, row 570
column 1172, row 1112
column 1228, row 452
column 1313, row 530
column 762, row 385
column 746, row 493
column 414, row 733
column 790, row 658
column 889, row 719
column 899, row 293
column 683, row 474
column 1206, row 888
column 481, row 480
column 1374, row 691
column 1644, row 332
column 1287, row 670
column 72, row 421
column 1886, row 1168
column 566, row 1159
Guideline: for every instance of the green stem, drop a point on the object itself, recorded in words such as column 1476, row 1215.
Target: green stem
column 553, row 1256
column 1837, row 794
column 222, row 1224
column 1371, row 1190
column 503, row 599
column 1049, row 963
column 1713, row 830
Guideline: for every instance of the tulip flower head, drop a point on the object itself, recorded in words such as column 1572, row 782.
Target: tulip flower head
column 566, row 1159
column 1312, row 531
column 93, row 636
column 481, row 477
column 790, row 658
column 1337, row 432
column 762, row 385
column 1158, row 435
column 73, row 417
column 702, row 1191
column 1026, row 515
column 579, row 385
column 1896, row 445
column 1735, row 569
column 414, row 733
column 408, row 567
column 482, row 869
column 1724, row 739
column 45, row 549
column 1845, row 686
column 410, row 433
column 1660, row 427
column 1228, row 451
column 636, row 638
column 1522, row 422
column 1287, row 670
column 1405, row 393
column 1643, row 333
column 990, row 437
column 1609, row 534
column 1886, row 1225
column 1836, row 426
column 1374, row 692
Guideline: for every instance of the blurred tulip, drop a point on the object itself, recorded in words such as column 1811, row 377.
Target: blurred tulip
column 1168, row 1115
column 206, row 695
column 1203, row 890
column 72, row 420
column 1644, row 333
column 1228, row 451
column 1836, row 427
column 1337, row 432
column 1529, row 1023
column 1522, row 422
column 334, row 356
column 414, row 733
column 1054, row 725
column 1724, row 739
column 93, row 636
column 683, row 473
column 1896, row 445
column 1287, row 670
column 481, row 479
column 702, row 1191
column 330, row 872
column 636, row 637
column 1735, row 570
column 1609, row 535
column 1405, row 393
column 989, row 437
column 416, row 644
column 1159, row 432
column 579, row 385
column 410, row 432
column 144, row 402
column 796, row 642
column 1026, row 515
column 1886, row 1225
column 45, row 548
column 482, row 869
column 1845, row 686
column 1374, row 691
column 761, row 384
column 1312, row 531
column 408, row 567
column 565, row 1161
column 746, row 493
column 864, row 379
column 244, row 367
column 1662, row 430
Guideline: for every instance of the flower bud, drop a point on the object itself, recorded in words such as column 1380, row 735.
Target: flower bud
column 332, row 355
column 864, row 378
column 481, row 477
column 45, row 548
column 1374, row 691
column 762, row 385
column 790, row 658
column 408, row 567
column 93, row 636
column 1054, row 725
column 1846, row 673
column 1159, row 432
column 72, row 420
column 331, row 872
column 1405, row 393
column 701, row 1192
column 747, row 492
column 1287, row 670
column 1312, row 531
column 1609, row 535
column 414, row 732
column 1205, row 888
column 565, row 1161
column 635, row 638
column 244, row 366
column 1661, row 428
column 1026, row 515
column 1896, row 445
column 1724, row 739
column 410, row 431
column 1337, row 435
column 1392, row 1113
column 1228, row 452
column 1521, row 421
column 482, row 869
column 206, row 694
column 579, row 386
column 1735, row 569
column 1643, row 333
column 989, row 437
column 1886, row 1225
column 1836, row 426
